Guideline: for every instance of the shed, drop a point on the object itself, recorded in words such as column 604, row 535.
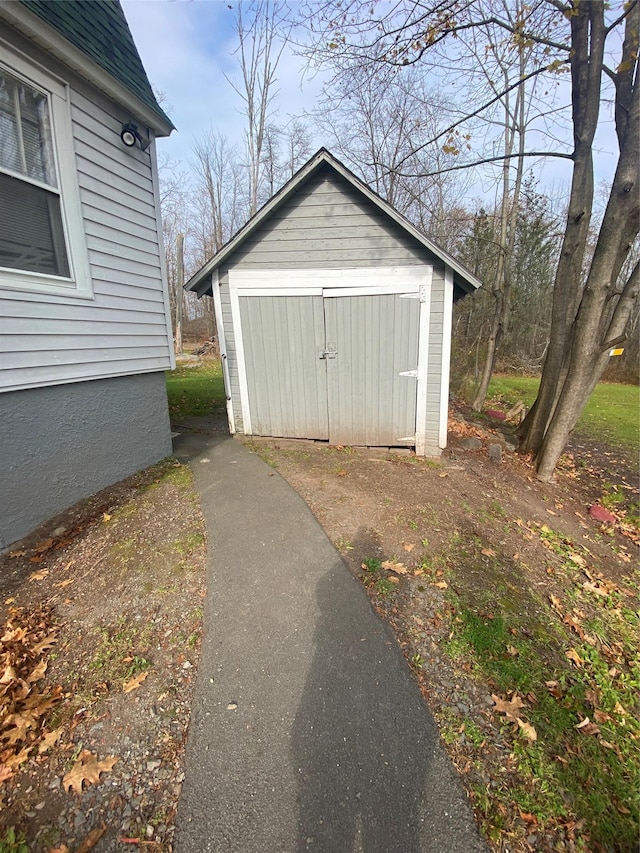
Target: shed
column 334, row 317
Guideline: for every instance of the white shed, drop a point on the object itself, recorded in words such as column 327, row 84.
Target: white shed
column 334, row 317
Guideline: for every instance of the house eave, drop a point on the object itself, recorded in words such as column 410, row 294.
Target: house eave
column 46, row 37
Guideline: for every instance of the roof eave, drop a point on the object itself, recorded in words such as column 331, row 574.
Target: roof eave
column 51, row 40
column 200, row 283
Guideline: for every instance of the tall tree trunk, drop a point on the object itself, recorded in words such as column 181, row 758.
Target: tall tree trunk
column 586, row 324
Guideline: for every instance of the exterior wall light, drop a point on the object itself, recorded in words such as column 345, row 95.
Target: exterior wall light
column 130, row 135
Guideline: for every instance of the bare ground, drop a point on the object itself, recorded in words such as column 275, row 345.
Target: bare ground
column 466, row 532
column 116, row 585
column 109, row 597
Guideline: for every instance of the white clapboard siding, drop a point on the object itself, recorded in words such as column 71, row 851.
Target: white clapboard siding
column 122, row 329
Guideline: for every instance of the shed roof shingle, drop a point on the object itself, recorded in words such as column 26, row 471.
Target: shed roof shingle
column 99, row 29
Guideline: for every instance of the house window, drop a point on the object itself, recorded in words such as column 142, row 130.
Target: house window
column 41, row 231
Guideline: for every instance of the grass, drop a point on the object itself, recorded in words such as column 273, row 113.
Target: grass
column 611, row 415
column 513, row 640
column 195, row 391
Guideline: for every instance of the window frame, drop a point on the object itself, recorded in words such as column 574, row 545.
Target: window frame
column 78, row 283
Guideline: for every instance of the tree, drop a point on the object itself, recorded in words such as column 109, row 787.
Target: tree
column 262, row 34
column 598, row 44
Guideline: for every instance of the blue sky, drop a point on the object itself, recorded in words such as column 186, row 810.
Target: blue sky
column 187, row 47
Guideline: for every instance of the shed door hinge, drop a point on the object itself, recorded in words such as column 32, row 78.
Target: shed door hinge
column 411, row 373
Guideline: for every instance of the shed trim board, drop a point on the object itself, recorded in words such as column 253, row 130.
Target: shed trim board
column 447, row 322
column 222, row 345
column 412, row 282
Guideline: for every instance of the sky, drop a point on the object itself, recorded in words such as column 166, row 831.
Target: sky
column 187, row 48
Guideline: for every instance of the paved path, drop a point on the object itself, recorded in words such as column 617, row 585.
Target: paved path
column 308, row 732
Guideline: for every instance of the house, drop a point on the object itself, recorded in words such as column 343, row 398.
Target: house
column 84, row 312
column 334, row 317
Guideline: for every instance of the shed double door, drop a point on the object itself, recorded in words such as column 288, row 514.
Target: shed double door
column 342, row 368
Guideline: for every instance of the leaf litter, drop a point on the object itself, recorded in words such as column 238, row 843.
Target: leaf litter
column 94, row 691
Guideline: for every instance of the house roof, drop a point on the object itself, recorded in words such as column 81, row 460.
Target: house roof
column 200, row 282
column 99, row 29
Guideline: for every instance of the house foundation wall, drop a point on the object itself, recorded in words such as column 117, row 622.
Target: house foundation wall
column 62, row 443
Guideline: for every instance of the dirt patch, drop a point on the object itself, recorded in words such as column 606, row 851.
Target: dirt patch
column 456, row 552
column 94, row 723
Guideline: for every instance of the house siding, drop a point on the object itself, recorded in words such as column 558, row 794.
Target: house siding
column 123, row 328
column 327, row 224
column 65, row 443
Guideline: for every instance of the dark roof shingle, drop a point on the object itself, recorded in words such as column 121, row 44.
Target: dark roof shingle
column 99, row 29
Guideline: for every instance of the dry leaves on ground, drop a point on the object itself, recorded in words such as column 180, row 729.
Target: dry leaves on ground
column 23, row 706
column 87, row 769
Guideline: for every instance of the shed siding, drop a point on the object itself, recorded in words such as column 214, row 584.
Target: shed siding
column 49, row 339
column 327, row 224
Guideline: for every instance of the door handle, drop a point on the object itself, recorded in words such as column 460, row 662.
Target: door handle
column 330, row 352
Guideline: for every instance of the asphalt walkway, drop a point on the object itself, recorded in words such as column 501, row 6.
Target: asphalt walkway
column 308, row 732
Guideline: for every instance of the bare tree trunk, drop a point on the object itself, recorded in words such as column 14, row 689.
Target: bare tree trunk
column 514, row 126
column 260, row 55
column 179, row 291
column 584, row 324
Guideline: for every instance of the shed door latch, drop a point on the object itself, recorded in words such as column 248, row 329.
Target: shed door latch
column 329, row 352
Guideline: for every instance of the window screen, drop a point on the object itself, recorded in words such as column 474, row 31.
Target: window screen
column 31, row 230
column 31, row 235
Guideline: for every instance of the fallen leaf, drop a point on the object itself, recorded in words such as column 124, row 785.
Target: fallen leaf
column 443, row 474
column 622, row 809
column 17, row 553
column 488, row 552
column 554, row 688
column 393, row 579
column 409, row 547
column 61, row 849
column 135, row 682
column 106, row 517
column 37, row 672
column 571, row 622
column 441, row 585
column 49, row 740
column 619, row 709
column 592, row 587
column 87, row 769
column 9, row 600
column 39, row 576
column 556, row 604
column 63, row 584
column 43, row 546
column 341, row 473
column 586, row 727
column 573, row 655
column 602, row 717
column 508, row 707
column 527, row 729
column 513, row 651
column 577, row 559
column 398, row 568
column 92, row 839
column 527, row 817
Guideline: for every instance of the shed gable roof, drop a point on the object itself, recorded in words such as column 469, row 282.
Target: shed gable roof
column 200, row 282
column 99, row 29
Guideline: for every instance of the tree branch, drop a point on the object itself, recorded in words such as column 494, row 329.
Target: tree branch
column 497, row 159
column 475, row 113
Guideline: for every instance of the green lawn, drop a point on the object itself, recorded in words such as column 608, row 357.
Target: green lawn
column 194, row 391
column 612, row 414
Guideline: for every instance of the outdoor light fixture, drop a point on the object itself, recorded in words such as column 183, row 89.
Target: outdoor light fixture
column 130, row 135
